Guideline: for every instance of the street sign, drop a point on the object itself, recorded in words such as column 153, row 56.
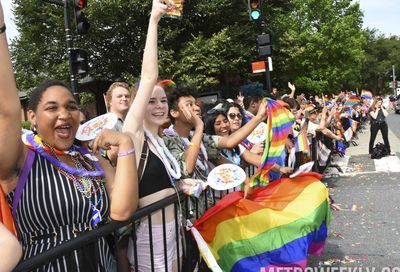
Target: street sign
column 258, row 67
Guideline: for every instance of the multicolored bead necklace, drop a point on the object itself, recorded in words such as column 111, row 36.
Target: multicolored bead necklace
column 87, row 176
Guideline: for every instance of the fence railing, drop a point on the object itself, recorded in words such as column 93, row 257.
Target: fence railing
column 178, row 200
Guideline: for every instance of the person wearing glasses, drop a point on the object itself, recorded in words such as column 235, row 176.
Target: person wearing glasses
column 235, row 114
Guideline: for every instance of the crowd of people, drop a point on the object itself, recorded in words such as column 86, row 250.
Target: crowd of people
column 165, row 141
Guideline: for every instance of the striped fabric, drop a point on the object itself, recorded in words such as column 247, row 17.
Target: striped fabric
column 50, row 204
column 353, row 124
column 353, row 100
column 279, row 125
column 277, row 227
column 301, row 142
column 366, row 94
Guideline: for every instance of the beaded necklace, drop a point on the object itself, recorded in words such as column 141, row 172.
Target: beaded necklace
column 87, row 176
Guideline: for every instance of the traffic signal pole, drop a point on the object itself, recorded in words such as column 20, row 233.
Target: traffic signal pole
column 70, row 46
column 268, row 83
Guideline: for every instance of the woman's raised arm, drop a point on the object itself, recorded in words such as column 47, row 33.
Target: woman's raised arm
column 134, row 119
column 10, row 111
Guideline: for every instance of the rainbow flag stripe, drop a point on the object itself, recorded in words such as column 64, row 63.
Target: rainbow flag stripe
column 276, row 227
column 301, row 142
column 353, row 100
column 279, row 125
column 353, row 124
column 366, row 94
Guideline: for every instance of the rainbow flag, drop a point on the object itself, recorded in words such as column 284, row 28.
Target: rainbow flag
column 301, row 142
column 366, row 94
column 276, row 227
column 348, row 134
column 279, row 125
column 353, row 100
column 353, row 124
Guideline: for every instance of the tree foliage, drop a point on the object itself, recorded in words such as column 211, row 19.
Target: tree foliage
column 318, row 44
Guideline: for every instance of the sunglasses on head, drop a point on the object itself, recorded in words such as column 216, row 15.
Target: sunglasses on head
column 234, row 115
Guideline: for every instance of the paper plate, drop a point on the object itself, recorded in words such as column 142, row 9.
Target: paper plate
column 89, row 130
column 304, row 168
column 226, row 176
column 259, row 134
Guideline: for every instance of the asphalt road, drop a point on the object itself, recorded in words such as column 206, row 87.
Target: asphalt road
column 366, row 232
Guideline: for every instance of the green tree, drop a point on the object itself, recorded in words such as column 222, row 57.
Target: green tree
column 318, row 44
column 381, row 53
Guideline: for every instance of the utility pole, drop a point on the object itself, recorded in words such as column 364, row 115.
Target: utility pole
column 394, row 81
column 268, row 84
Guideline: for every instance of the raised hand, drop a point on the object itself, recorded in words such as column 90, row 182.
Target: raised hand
column 192, row 116
column 262, row 110
column 292, row 87
column 108, row 138
column 239, row 99
column 160, row 7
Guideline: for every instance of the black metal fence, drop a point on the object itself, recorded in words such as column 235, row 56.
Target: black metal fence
column 191, row 209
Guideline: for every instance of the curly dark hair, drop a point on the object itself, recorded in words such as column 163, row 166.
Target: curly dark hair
column 176, row 93
column 37, row 93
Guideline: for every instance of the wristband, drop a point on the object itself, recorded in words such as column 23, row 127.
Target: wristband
column 3, row 29
column 126, row 153
column 194, row 145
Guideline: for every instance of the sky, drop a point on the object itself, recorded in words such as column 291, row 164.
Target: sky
column 383, row 15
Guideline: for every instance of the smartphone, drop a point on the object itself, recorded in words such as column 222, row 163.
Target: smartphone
column 177, row 11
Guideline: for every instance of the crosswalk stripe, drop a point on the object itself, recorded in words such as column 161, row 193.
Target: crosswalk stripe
column 387, row 164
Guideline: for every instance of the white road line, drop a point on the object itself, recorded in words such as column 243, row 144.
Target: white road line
column 387, row 164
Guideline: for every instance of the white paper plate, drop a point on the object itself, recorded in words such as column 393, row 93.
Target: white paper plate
column 226, row 176
column 304, row 168
column 259, row 134
column 91, row 128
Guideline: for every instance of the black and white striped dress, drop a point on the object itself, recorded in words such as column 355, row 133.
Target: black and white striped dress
column 50, row 211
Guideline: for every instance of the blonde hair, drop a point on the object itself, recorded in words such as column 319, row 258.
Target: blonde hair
column 112, row 87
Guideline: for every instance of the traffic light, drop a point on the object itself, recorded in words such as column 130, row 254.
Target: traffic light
column 79, row 61
column 264, row 46
column 254, row 9
column 82, row 25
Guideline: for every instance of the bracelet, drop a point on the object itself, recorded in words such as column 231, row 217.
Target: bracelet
column 194, row 145
column 126, row 153
column 3, row 29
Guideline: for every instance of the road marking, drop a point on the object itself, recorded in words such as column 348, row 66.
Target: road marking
column 387, row 164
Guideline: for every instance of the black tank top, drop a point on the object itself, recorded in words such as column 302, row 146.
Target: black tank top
column 155, row 177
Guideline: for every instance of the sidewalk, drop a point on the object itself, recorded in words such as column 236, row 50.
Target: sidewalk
column 363, row 142
column 356, row 160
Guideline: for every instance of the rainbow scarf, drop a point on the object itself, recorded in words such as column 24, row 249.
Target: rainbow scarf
column 279, row 125
column 301, row 142
column 276, row 227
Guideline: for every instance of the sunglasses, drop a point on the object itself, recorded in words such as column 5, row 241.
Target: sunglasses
column 234, row 115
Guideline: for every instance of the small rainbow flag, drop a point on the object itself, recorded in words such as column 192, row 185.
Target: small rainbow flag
column 279, row 125
column 353, row 124
column 348, row 134
column 353, row 100
column 276, row 227
column 301, row 142
column 366, row 94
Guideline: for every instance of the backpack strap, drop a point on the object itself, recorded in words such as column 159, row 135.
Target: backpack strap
column 22, row 181
column 143, row 158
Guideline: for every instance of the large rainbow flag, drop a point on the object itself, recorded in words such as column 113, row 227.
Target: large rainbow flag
column 279, row 125
column 277, row 226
